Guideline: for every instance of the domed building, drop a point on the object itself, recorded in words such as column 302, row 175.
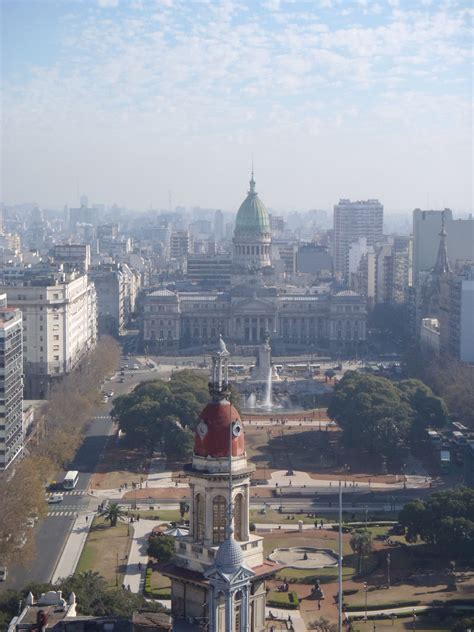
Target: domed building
column 218, row 572
column 252, row 234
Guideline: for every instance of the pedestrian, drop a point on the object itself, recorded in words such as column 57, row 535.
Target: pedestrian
column 128, row 588
column 87, row 519
column 139, row 566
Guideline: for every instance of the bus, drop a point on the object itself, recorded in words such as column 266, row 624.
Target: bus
column 71, row 479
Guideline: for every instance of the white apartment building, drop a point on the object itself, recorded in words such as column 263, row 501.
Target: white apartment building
column 11, row 384
column 353, row 220
column 59, row 323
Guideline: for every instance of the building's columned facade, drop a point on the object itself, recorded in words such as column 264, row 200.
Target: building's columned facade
column 174, row 320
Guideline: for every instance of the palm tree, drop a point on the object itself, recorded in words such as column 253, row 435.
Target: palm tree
column 91, row 581
column 113, row 512
column 361, row 544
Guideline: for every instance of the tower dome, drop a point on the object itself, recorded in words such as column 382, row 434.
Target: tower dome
column 252, row 217
column 252, row 233
column 213, row 431
column 229, row 555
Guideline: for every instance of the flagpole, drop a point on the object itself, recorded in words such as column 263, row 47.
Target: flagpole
column 340, row 597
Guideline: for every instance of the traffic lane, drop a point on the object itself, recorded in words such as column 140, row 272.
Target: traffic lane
column 89, row 453
column 48, row 534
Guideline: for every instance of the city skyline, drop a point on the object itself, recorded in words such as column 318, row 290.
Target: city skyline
column 127, row 101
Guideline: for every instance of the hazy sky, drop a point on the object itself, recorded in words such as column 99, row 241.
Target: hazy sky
column 125, row 100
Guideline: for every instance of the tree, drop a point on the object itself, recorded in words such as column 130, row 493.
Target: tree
column 445, row 520
column 112, row 513
column 323, row 625
column 361, row 544
column 161, row 415
column 161, row 547
column 183, row 508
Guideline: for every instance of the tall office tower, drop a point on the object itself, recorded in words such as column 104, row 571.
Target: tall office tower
column 426, row 227
column 11, row 383
column 455, row 315
column 353, row 220
column 218, row 225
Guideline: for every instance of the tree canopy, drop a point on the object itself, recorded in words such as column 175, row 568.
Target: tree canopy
column 445, row 519
column 163, row 414
column 379, row 415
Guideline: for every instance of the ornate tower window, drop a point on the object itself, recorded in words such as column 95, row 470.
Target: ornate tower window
column 238, row 517
column 199, row 517
column 219, row 520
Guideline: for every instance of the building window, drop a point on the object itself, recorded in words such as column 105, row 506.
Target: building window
column 199, row 517
column 218, row 519
column 238, row 517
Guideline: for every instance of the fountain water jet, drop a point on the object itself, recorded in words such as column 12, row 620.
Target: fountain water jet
column 268, row 395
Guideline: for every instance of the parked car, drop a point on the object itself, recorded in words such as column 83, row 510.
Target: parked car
column 110, row 393
column 136, row 367
column 105, row 399
column 3, row 573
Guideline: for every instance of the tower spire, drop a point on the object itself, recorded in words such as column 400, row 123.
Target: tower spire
column 442, row 262
column 252, row 181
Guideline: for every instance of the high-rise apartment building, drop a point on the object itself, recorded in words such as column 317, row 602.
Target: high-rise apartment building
column 59, row 322
column 181, row 244
column 353, row 220
column 426, row 227
column 11, row 383
column 456, row 315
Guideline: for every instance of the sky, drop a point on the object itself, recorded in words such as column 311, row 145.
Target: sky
column 143, row 102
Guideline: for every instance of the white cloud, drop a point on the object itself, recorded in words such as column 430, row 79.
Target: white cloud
column 108, row 3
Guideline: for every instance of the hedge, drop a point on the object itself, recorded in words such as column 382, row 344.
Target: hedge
column 156, row 593
column 287, row 600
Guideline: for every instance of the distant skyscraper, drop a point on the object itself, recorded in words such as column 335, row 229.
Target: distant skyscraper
column 11, row 383
column 353, row 220
column 218, row 225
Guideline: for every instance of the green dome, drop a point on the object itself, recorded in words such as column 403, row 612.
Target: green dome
column 252, row 217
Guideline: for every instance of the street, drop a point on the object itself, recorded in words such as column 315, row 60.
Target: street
column 51, row 534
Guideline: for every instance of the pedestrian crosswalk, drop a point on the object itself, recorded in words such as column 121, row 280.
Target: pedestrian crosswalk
column 102, row 417
column 72, row 492
column 64, row 513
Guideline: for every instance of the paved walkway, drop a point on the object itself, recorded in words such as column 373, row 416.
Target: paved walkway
column 72, row 551
column 296, row 619
column 280, row 479
column 134, row 576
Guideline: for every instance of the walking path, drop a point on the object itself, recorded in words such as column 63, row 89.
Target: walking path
column 135, row 576
column 72, row 551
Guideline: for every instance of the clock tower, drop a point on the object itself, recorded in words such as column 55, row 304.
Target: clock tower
column 218, row 572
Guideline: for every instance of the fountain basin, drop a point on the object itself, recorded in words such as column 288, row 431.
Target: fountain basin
column 294, row 557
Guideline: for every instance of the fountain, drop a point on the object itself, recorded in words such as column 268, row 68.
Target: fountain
column 268, row 394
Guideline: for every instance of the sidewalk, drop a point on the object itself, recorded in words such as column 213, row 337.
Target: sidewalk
column 73, row 549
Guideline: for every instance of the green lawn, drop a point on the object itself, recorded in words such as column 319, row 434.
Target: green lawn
column 274, row 517
column 105, row 550
column 425, row 623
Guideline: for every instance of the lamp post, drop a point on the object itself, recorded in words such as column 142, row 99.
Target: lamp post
column 365, row 591
column 388, row 570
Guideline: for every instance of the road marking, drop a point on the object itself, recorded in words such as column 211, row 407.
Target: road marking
column 57, row 514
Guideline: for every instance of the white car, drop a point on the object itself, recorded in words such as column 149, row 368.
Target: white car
column 3, row 573
column 110, row 393
column 136, row 367
column 105, row 399
column 55, row 498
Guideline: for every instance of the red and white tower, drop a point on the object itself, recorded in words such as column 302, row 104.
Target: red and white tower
column 220, row 551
